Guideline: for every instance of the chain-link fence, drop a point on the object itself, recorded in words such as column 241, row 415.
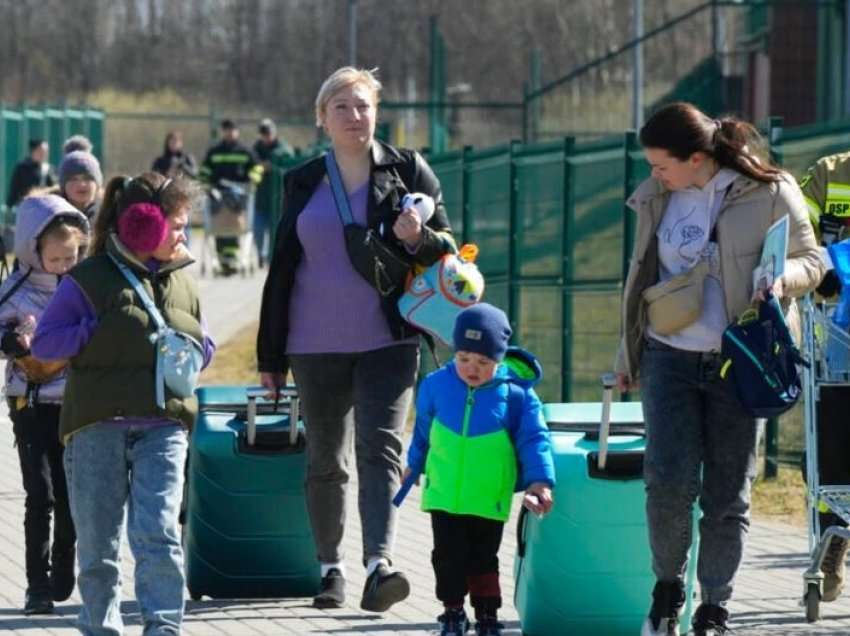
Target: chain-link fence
column 749, row 58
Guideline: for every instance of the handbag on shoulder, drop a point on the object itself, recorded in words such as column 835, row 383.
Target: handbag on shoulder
column 383, row 266
column 179, row 357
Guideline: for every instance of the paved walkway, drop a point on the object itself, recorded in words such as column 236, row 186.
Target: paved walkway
column 767, row 596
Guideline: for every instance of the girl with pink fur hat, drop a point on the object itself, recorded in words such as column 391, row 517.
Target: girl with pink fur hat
column 123, row 448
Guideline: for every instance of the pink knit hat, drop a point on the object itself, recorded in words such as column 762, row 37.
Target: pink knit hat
column 142, row 227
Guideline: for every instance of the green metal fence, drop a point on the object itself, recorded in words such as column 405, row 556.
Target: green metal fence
column 20, row 124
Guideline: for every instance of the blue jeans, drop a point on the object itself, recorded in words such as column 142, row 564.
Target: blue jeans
column 700, row 443
column 109, row 466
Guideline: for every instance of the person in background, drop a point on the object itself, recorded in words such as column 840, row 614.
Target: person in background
column 708, row 203
column 80, row 181
column 32, row 172
column 479, row 435
column 124, row 452
column 51, row 237
column 826, row 188
column 174, row 160
column 269, row 149
column 231, row 161
column 75, row 143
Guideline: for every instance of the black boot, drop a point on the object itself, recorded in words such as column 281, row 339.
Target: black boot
column 383, row 589
column 332, row 593
column 38, row 601
column 486, row 615
column 667, row 601
column 454, row 622
column 62, row 578
column 710, row 620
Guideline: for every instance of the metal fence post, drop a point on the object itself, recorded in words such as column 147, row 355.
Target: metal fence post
column 771, row 449
column 513, row 234
column 774, row 139
column 464, row 194
column 567, row 272
column 630, row 183
column 771, row 431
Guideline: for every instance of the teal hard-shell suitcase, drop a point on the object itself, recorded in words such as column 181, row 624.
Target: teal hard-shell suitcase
column 585, row 568
column 247, row 533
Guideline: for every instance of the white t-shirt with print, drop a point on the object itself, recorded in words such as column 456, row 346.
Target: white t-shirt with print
column 684, row 240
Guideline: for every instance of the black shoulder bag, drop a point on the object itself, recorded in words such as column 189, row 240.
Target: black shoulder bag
column 381, row 265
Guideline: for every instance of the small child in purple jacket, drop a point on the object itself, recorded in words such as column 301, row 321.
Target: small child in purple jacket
column 49, row 239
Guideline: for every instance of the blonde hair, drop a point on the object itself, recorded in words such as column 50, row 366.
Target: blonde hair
column 62, row 229
column 342, row 78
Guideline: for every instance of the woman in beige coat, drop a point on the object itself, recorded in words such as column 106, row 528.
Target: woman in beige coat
column 707, row 205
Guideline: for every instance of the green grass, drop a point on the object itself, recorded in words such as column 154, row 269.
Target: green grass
column 782, row 499
column 235, row 361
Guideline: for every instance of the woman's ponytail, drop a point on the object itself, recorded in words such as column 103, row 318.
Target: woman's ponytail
column 107, row 216
column 682, row 129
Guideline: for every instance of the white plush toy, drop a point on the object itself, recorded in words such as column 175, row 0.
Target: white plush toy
column 422, row 203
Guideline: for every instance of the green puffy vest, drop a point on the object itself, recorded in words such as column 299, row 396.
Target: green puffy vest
column 114, row 374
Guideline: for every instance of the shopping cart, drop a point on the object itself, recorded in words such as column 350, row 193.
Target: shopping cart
column 827, row 347
column 228, row 244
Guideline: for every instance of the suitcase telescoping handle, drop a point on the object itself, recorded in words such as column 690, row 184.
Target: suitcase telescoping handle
column 292, row 402
column 609, row 381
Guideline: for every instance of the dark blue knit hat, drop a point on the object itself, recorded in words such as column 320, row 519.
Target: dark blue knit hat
column 482, row 329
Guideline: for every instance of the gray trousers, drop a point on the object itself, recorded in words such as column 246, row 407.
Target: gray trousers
column 700, row 443
column 362, row 398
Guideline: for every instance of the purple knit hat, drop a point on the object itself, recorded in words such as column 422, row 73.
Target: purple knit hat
column 79, row 162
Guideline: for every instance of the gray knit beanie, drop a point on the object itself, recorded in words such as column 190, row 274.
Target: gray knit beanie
column 79, row 162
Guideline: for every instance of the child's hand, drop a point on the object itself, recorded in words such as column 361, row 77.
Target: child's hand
column 538, row 498
column 25, row 341
column 14, row 345
column 25, row 331
column 406, row 474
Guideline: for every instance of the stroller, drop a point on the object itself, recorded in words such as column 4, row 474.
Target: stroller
column 827, row 347
column 228, row 245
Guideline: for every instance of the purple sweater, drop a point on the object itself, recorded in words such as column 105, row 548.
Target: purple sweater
column 332, row 309
column 67, row 325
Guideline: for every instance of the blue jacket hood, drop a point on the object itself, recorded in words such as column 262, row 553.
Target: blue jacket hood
column 520, row 367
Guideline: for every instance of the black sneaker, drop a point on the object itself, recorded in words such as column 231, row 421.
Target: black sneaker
column 710, row 620
column 455, row 622
column 488, row 627
column 667, row 600
column 62, row 579
column 38, row 602
column 384, row 589
column 332, row 592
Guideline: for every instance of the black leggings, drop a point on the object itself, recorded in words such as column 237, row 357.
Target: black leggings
column 36, row 431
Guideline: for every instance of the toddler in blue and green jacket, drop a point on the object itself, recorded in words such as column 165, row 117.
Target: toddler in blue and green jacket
column 479, row 437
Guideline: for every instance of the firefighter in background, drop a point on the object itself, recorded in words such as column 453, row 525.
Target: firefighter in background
column 826, row 188
column 229, row 162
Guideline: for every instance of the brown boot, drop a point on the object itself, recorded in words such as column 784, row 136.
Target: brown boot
column 833, row 568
